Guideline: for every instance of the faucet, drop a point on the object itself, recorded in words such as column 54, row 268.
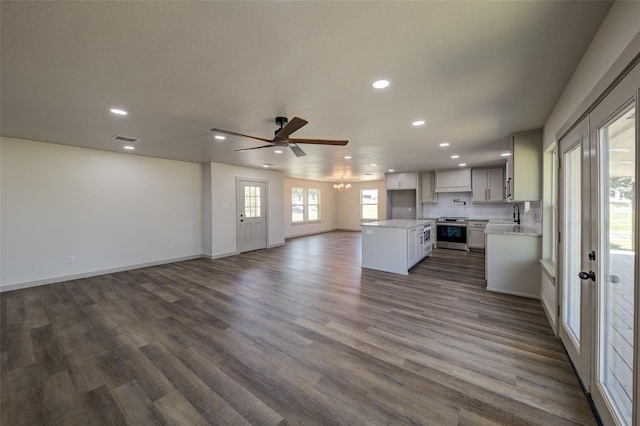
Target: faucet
column 516, row 208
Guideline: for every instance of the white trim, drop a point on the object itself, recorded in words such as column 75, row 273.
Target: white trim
column 515, row 293
column 63, row 278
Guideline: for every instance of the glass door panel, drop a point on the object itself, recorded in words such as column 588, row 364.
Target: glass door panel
column 616, row 275
column 572, row 242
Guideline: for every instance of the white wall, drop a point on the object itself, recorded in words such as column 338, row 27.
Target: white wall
column 110, row 211
column 618, row 30
column 223, row 219
column 328, row 208
column 349, row 204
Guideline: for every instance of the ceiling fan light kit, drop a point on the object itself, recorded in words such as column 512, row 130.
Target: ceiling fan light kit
column 282, row 139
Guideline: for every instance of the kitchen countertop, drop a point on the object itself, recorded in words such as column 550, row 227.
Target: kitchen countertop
column 397, row 223
column 511, row 229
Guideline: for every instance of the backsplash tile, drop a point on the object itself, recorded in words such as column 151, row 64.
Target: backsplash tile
column 459, row 204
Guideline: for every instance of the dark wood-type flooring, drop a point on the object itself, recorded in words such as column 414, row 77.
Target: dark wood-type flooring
column 298, row 334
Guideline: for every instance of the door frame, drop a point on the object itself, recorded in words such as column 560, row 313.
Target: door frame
column 239, row 180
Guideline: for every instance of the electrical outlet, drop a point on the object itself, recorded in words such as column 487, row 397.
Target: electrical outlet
column 172, row 246
column 70, row 259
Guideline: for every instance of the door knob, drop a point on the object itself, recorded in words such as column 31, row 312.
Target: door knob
column 587, row 275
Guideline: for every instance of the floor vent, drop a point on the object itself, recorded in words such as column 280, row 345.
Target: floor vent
column 127, row 139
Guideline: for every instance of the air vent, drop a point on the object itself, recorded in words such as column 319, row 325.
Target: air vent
column 127, row 139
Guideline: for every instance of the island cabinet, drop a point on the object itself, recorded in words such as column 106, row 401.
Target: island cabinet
column 402, row 181
column 394, row 245
column 487, row 185
column 524, row 164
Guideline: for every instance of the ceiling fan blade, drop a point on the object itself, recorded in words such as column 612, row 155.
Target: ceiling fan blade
column 255, row 147
column 318, row 141
column 228, row 132
column 297, row 150
column 292, row 126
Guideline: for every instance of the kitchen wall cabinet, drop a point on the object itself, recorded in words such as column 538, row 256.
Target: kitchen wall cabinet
column 402, row 181
column 428, row 188
column 455, row 180
column 523, row 171
column 475, row 234
column 487, row 185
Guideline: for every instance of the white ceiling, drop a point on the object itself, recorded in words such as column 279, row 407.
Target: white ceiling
column 475, row 71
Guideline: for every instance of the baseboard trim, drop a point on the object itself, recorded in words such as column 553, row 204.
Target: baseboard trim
column 63, row 278
column 514, row 293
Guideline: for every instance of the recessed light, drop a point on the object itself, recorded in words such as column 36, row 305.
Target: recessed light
column 381, row 84
column 443, row 144
column 368, row 174
column 278, row 151
column 220, row 137
column 128, row 147
column 118, row 111
column 347, row 157
column 374, row 165
column 455, row 156
column 462, row 164
column 418, row 123
column 391, row 170
column 505, row 154
column 266, row 166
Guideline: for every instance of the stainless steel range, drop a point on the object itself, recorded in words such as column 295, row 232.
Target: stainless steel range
column 452, row 233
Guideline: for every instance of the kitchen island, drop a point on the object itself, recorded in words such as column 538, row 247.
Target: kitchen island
column 395, row 245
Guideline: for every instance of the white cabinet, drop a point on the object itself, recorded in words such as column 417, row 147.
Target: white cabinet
column 402, row 181
column 455, row 180
column 488, row 185
column 523, row 178
column 475, row 234
column 393, row 245
column 512, row 264
column 428, row 188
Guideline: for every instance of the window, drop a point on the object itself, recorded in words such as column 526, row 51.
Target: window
column 297, row 205
column 252, row 201
column 313, row 200
column 369, row 204
column 554, row 204
column 305, row 205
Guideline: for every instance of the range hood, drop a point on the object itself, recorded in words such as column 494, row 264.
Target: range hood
column 453, row 180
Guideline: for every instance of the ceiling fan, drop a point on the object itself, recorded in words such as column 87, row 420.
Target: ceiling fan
column 282, row 138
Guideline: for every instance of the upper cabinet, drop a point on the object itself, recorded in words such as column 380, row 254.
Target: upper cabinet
column 454, row 180
column 428, row 188
column 488, row 185
column 402, row 181
column 523, row 167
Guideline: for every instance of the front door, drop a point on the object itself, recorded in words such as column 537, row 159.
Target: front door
column 251, row 201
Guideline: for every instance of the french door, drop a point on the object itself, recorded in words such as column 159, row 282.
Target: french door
column 575, row 224
column 598, row 244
